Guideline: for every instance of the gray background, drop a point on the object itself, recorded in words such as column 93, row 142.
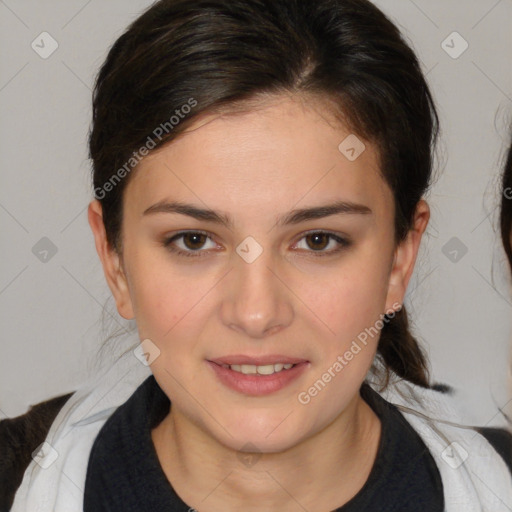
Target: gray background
column 52, row 305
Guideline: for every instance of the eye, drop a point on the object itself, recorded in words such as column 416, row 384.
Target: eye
column 191, row 243
column 320, row 240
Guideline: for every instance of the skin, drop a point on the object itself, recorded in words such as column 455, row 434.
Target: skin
column 257, row 166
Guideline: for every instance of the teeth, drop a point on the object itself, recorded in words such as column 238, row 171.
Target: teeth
column 251, row 369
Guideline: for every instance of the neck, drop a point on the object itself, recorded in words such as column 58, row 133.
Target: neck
column 323, row 472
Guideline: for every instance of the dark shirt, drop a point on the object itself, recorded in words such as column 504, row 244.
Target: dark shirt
column 124, row 473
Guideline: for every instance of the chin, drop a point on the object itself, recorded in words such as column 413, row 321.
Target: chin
column 262, row 434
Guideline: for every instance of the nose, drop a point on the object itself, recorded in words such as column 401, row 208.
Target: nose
column 256, row 301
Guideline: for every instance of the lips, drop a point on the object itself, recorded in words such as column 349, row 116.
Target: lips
column 256, row 379
column 257, row 360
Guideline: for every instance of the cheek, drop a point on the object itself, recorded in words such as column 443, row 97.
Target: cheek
column 350, row 297
column 167, row 299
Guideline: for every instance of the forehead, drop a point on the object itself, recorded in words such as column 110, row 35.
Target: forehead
column 279, row 153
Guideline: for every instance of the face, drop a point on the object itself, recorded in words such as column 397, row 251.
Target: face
column 298, row 260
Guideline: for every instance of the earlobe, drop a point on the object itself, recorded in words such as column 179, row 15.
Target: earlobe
column 111, row 262
column 405, row 256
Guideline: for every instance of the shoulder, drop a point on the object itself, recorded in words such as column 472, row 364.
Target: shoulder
column 19, row 437
column 435, row 414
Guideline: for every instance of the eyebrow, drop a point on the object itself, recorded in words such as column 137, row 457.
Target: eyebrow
column 293, row 217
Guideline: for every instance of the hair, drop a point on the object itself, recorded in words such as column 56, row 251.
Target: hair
column 186, row 58
column 505, row 221
column 506, row 206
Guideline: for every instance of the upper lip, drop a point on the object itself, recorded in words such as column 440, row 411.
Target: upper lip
column 257, row 360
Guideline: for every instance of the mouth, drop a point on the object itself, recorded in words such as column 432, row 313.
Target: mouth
column 257, row 375
column 252, row 369
column 262, row 365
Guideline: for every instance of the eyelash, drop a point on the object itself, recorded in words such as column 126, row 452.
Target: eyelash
column 199, row 253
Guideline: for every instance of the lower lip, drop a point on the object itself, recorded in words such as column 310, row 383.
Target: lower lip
column 257, row 385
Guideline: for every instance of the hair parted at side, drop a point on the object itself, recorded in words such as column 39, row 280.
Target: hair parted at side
column 218, row 55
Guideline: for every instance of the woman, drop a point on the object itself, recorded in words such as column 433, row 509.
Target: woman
column 258, row 170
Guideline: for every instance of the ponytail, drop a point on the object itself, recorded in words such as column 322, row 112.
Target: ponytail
column 401, row 353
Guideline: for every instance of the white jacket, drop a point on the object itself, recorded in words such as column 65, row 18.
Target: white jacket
column 475, row 478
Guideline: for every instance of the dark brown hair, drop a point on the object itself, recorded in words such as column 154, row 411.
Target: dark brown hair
column 506, row 206
column 217, row 54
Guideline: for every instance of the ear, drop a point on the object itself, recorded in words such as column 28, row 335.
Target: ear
column 405, row 257
column 111, row 261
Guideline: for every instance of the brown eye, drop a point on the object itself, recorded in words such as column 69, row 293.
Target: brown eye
column 318, row 241
column 189, row 243
column 321, row 243
column 194, row 241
